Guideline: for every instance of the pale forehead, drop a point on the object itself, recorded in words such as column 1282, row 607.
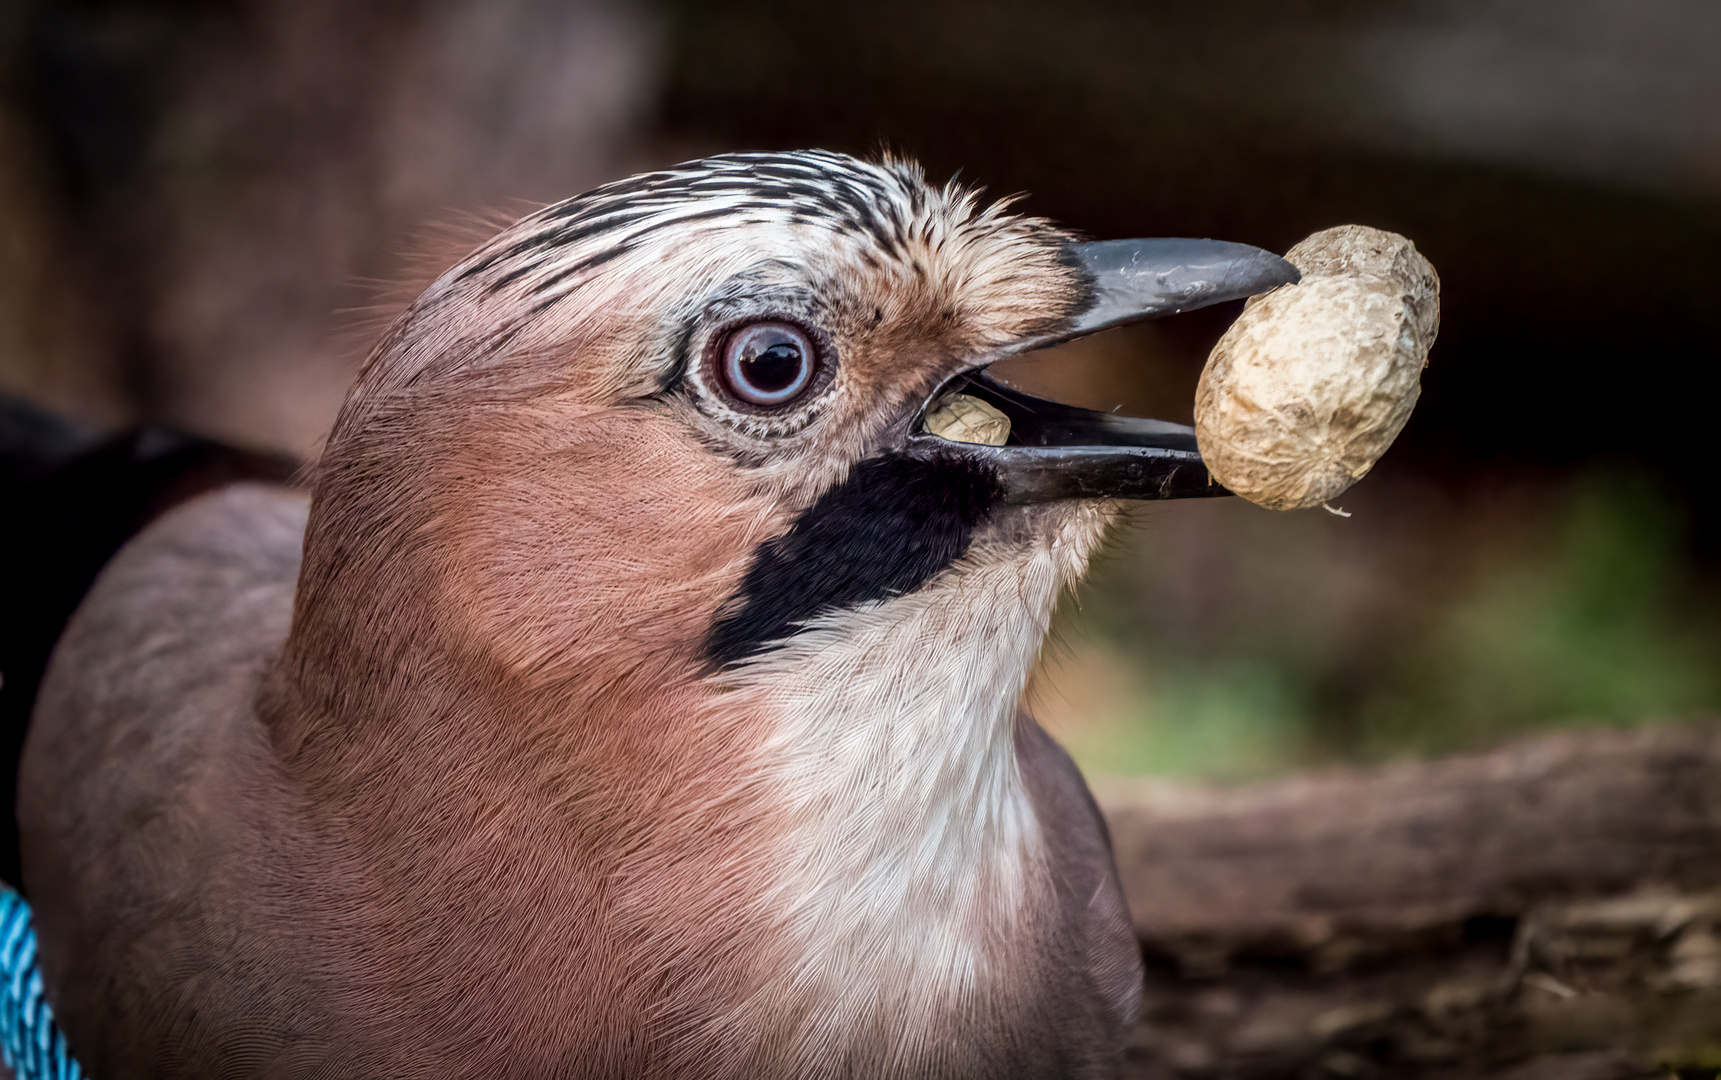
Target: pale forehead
column 764, row 213
column 626, row 267
column 881, row 205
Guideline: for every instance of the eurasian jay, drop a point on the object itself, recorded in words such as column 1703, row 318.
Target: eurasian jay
column 636, row 693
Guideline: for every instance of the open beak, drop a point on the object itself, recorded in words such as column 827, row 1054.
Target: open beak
column 1053, row 451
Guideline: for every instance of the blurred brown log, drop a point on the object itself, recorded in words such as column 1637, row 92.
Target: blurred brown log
column 1549, row 909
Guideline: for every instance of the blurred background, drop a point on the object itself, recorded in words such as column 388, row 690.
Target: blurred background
column 206, row 207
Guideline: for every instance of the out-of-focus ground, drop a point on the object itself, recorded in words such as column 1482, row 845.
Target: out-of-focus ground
column 200, row 202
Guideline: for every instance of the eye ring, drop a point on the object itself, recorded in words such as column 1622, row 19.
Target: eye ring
column 767, row 364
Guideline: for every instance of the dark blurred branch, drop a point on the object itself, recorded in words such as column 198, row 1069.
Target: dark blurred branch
column 1459, row 918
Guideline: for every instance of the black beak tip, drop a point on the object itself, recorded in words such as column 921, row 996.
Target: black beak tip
column 1254, row 272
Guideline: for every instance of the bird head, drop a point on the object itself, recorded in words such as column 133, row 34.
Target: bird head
column 682, row 419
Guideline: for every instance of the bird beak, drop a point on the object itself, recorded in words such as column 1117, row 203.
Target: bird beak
column 1048, row 451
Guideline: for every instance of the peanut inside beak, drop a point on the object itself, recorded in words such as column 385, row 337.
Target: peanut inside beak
column 965, row 419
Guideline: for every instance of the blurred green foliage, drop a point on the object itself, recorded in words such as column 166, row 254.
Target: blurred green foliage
column 1239, row 647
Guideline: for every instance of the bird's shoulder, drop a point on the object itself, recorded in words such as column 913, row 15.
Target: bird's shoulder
column 139, row 786
column 1106, row 966
column 191, row 607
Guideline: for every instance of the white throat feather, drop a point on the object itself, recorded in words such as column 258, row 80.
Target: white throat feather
column 912, row 845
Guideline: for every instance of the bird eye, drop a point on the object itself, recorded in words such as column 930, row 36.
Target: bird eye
column 767, row 363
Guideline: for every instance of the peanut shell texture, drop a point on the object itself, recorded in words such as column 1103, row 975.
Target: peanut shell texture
column 964, row 418
column 1311, row 384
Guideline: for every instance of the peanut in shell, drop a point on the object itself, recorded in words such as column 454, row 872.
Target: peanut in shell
column 1313, row 381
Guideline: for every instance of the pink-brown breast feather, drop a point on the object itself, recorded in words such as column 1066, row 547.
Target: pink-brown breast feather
column 574, row 859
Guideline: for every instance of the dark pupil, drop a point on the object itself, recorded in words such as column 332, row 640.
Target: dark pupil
column 773, row 368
